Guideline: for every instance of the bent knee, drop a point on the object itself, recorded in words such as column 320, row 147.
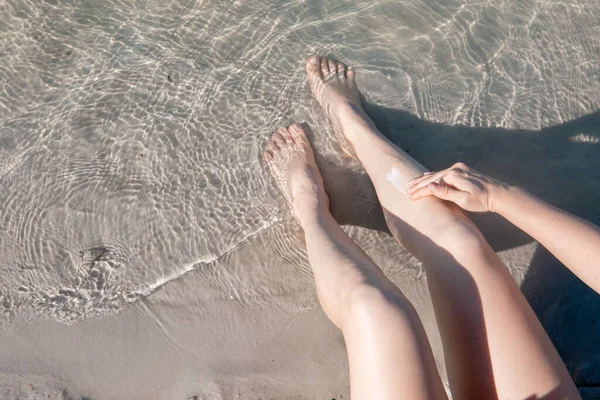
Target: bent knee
column 461, row 238
column 370, row 303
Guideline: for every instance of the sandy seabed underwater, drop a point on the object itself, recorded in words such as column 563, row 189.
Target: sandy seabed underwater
column 145, row 252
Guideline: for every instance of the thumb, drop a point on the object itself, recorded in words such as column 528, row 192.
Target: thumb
column 446, row 192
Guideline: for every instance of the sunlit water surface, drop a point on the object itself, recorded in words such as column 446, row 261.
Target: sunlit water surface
column 131, row 132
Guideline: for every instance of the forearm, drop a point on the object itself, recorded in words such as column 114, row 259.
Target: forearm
column 572, row 240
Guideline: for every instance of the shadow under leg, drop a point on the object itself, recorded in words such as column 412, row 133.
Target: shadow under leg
column 493, row 343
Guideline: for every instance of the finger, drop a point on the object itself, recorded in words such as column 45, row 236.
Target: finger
column 446, row 192
column 420, row 193
column 459, row 181
column 462, row 166
column 421, row 177
column 426, row 180
column 425, row 174
column 445, row 184
column 428, row 175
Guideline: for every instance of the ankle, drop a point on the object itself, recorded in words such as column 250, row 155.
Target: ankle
column 346, row 109
column 310, row 209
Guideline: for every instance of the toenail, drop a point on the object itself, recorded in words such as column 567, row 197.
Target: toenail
column 313, row 60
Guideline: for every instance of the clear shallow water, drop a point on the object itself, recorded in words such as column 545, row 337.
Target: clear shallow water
column 131, row 132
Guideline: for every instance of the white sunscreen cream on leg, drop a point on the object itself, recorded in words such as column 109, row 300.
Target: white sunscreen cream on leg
column 397, row 180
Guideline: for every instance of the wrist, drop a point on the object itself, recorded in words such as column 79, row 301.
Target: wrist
column 498, row 197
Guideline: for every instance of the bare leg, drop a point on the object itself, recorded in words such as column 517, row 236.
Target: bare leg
column 388, row 351
column 493, row 343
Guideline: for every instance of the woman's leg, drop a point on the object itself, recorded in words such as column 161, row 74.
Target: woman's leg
column 493, row 343
column 388, row 351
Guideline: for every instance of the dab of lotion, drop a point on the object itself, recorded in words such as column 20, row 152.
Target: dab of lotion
column 396, row 179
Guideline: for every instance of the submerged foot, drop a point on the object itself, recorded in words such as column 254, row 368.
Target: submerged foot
column 333, row 85
column 292, row 163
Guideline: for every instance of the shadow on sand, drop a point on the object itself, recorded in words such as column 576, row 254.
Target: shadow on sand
column 560, row 164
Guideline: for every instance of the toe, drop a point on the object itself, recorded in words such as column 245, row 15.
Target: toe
column 285, row 134
column 295, row 129
column 332, row 66
column 272, row 147
column 313, row 66
column 297, row 132
column 324, row 67
column 341, row 70
column 350, row 74
column 278, row 137
column 268, row 156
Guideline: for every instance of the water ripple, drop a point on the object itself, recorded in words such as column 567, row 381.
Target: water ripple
column 131, row 132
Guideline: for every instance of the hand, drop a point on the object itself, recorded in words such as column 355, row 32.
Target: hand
column 459, row 184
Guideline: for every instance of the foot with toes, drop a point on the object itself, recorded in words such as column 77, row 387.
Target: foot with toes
column 289, row 155
column 332, row 83
column 290, row 159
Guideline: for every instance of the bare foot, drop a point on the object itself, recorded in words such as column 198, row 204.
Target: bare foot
column 292, row 163
column 333, row 85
